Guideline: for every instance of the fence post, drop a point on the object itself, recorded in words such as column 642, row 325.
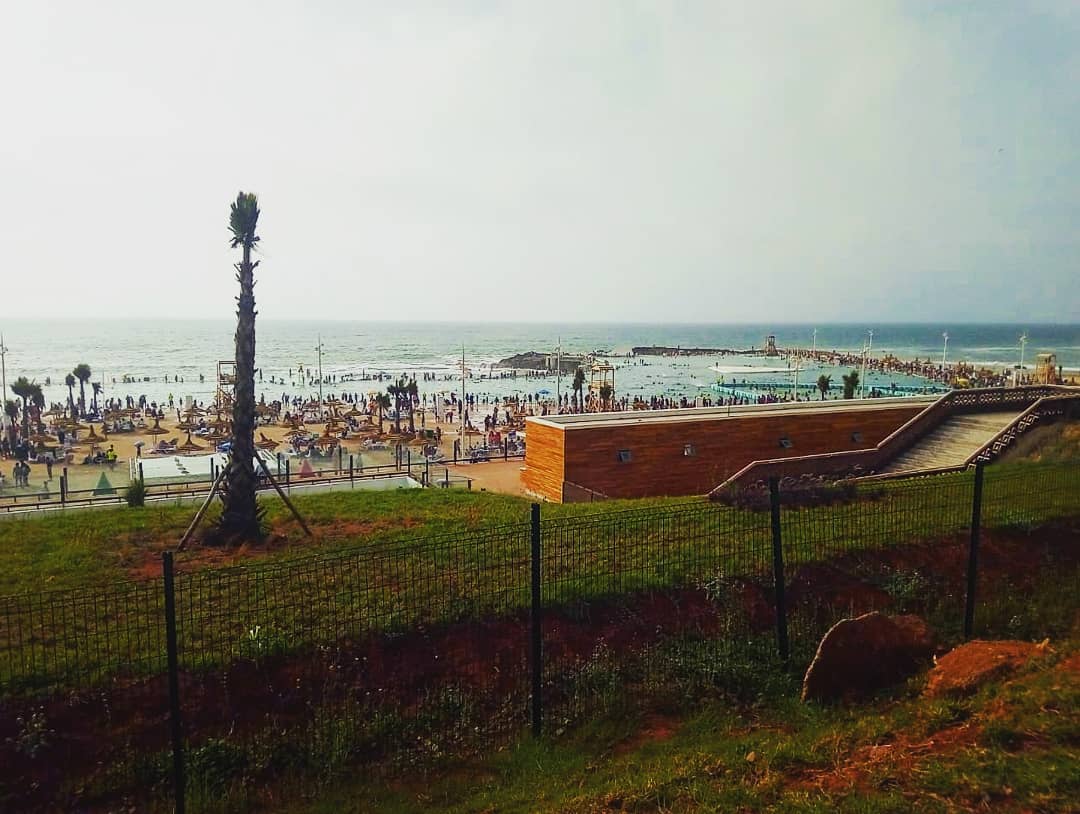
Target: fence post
column 287, row 468
column 535, row 639
column 408, row 453
column 778, row 570
column 174, row 683
column 63, row 488
column 142, row 477
column 973, row 552
column 350, row 470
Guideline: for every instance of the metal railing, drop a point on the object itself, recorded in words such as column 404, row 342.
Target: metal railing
column 865, row 460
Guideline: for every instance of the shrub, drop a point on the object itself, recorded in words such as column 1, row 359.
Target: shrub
column 135, row 494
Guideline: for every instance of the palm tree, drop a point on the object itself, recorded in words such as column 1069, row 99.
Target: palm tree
column 23, row 388
column 851, row 384
column 82, row 373
column 382, row 401
column 606, row 392
column 37, row 398
column 824, row 383
column 412, row 392
column 579, row 383
column 96, row 389
column 69, row 380
column 397, row 391
column 240, row 516
column 11, row 410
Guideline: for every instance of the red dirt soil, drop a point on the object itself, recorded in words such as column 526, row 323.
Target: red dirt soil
column 966, row 668
column 898, row 757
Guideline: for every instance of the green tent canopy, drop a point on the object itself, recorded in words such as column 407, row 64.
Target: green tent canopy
column 104, row 487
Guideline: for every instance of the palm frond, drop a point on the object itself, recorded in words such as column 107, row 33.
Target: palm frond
column 243, row 220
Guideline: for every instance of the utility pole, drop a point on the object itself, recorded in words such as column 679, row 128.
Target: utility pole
column 461, row 406
column 558, row 376
column 318, row 349
column 3, row 368
column 796, row 388
column 944, row 350
column 1020, row 372
column 866, row 356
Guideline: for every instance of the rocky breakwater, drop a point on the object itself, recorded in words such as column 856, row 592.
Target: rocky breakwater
column 532, row 360
column 663, row 350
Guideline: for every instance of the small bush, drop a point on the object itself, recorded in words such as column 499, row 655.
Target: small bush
column 135, row 494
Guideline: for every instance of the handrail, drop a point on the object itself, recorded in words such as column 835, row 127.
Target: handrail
column 987, row 453
column 902, row 437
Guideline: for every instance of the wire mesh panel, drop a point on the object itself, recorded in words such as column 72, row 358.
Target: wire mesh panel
column 420, row 648
column 641, row 604
column 897, row 547
column 415, row 648
column 77, row 668
column 1030, row 495
column 1029, row 545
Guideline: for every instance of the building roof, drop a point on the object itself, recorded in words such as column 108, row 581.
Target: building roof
column 586, row 420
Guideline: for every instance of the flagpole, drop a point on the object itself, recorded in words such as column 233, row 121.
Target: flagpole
column 462, row 410
column 558, row 376
column 3, row 368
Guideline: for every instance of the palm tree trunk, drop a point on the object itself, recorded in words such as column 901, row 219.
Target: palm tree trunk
column 82, row 396
column 240, row 516
column 25, row 418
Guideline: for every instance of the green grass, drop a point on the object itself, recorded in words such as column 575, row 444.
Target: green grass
column 1022, row 753
column 392, row 560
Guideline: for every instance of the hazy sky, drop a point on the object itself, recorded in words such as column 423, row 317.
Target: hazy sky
column 714, row 161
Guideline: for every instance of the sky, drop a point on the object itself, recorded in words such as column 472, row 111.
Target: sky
column 544, row 161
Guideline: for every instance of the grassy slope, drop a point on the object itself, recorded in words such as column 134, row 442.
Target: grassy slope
column 90, row 548
column 1051, row 442
column 649, row 547
column 86, row 548
column 1015, row 746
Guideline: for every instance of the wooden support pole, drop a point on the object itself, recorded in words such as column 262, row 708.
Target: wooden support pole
column 202, row 509
column 284, row 497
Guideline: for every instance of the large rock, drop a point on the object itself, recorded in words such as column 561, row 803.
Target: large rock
column 964, row 669
column 859, row 656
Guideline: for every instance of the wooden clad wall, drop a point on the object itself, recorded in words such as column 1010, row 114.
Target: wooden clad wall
column 543, row 475
column 587, row 456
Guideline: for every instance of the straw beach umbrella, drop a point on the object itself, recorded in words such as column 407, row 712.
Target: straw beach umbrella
column 188, row 445
column 266, row 443
column 157, row 429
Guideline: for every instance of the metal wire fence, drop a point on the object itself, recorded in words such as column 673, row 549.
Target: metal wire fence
column 441, row 645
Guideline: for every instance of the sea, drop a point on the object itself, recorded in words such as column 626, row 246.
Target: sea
column 162, row 358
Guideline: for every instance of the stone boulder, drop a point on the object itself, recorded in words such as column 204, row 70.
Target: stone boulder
column 964, row 669
column 860, row 656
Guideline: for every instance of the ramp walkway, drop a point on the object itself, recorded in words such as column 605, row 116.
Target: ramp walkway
column 959, row 429
column 956, row 440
